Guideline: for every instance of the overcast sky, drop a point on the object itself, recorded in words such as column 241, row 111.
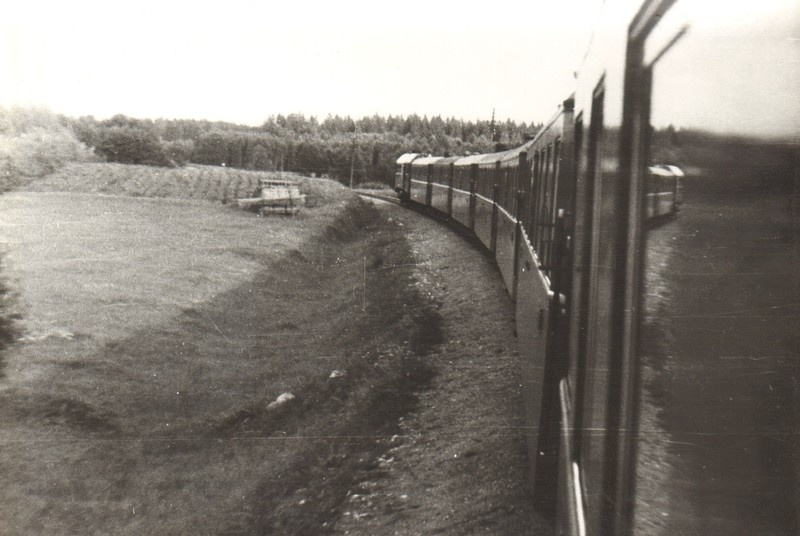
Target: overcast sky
column 243, row 60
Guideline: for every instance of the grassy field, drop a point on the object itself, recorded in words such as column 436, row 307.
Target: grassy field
column 157, row 325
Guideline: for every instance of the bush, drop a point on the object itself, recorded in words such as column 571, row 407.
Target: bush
column 211, row 149
column 131, row 145
column 34, row 143
column 179, row 152
column 260, row 160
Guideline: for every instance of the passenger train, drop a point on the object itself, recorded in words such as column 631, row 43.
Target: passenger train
column 648, row 236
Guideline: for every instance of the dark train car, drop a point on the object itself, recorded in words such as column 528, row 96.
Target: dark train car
column 442, row 184
column 402, row 176
column 544, row 202
column 682, row 355
column 484, row 216
column 509, row 175
column 656, row 304
column 664, row 190
column 421, row 175
column 465, row 178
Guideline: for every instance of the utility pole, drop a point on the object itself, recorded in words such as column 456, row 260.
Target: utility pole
column 493, row 130
column 353, row 158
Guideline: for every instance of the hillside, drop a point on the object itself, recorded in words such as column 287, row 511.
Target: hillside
column 207, row 183
column 155, row 336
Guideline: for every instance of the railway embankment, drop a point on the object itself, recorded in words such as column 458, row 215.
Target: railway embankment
column 179, row 364
column 173, row 372
column 457, row 464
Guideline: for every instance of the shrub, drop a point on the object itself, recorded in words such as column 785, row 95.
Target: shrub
column 179, row 152
column 260, row 160
column 212, row 149
column 131, row 145
column 33, row 143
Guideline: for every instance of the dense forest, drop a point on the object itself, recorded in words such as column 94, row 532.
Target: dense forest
column 338, row 147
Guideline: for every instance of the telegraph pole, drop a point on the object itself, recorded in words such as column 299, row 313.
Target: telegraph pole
column 353, row 160
column 493, row 129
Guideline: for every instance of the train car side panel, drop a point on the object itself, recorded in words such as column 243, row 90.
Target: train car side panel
column 441, row 184
column 439, row 195
column 532, row 308
column 418, row 188
column 461, row 204
column 484, row 212
column 505, row 247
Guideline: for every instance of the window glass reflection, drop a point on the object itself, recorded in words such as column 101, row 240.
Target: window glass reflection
column 720, row 414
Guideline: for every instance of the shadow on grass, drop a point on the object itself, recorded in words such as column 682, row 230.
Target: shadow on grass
column 8, row 328
column 188, row 390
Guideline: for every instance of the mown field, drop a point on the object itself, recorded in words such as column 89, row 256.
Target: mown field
column 156, row 327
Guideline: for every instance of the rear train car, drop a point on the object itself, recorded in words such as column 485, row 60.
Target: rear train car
column 402, row 175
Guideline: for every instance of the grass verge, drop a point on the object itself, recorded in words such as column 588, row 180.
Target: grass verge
column 140, row 399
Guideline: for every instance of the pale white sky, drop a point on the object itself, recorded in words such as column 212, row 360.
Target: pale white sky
column 243, row 60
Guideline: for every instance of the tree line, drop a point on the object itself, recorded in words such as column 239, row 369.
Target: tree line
column 337, row 147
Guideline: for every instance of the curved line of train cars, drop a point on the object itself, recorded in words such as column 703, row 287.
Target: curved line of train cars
column 518, row 202
column 569, row 217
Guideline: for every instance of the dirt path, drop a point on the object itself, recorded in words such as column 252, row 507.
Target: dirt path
column 458, row 464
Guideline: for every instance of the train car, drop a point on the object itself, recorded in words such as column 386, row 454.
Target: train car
column 664, row 190
column 656, row 304
column 508, row 172
column 421, row 175
column 465, row 178
column 402, row 176
column 484, row 198
column 681, row 356
column 544, row 204
column 442, row 185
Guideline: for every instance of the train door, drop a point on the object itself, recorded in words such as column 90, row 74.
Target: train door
column 719, row 424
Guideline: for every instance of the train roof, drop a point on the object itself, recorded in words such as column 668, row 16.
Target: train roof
column 510, row 154
column 425, row 160
column 407, row 158
column 447, row 160
column 469, row 160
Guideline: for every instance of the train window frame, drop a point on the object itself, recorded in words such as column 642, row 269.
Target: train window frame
column 546, row 201
column 534, row 195
column 588, row 267
column 623, row 412
column 577, row 152
column 553, row 215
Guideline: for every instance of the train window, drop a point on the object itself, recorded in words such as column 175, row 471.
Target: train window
column 534, row 197
column 548, row 201
column 553, row 209
column 544, row 195
column 719, row 415
column 525, row 186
